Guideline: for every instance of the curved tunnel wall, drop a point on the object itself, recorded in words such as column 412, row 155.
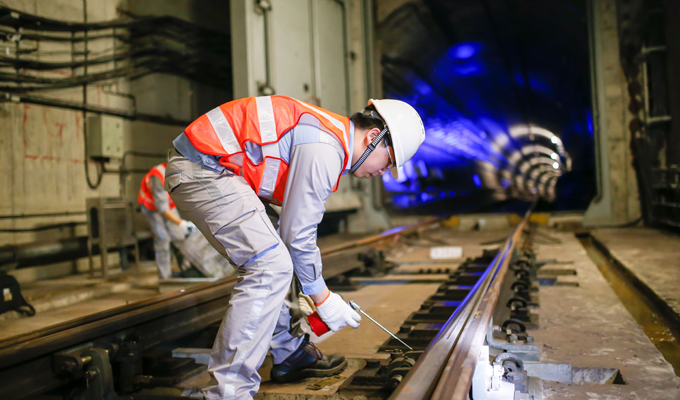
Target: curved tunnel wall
column 504, row 92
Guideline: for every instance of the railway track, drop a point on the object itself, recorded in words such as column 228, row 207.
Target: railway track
column 445, row 369
column 107, row 353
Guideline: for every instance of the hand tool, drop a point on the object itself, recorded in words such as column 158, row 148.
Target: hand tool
column 356, row 307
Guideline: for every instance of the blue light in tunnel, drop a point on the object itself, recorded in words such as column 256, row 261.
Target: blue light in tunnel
column 401, row 201
column 409, row 171
column 453, row 139
column 478, row 182
column 467, row 133
column 589, row 118
column 422, row 87
column 540, row 85
column 468, row 69
column 458, row 61
column 463, row 51
column 422, row 168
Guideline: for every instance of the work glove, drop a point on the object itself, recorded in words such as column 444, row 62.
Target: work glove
column 306, row 304
column 187, row 228
column 335, row 313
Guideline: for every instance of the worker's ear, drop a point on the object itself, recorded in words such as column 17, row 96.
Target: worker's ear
column 370, row 135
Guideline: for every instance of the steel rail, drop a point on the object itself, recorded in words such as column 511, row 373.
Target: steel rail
column 388, row 234
column 445, row 368
column 9, row 345
column 26, row 360
column 456, row 379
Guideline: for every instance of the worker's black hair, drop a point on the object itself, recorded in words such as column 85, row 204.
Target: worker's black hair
column 367, row 119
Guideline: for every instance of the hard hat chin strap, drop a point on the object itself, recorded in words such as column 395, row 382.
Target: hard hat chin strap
column 371, row 146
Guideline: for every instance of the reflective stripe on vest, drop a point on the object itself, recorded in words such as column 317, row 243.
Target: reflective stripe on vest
column 225, row 130
column 265, row 118
column 145, row 196
column 272, row 165
column 332, row 120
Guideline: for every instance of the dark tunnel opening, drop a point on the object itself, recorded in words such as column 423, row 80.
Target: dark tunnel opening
column 504, row 92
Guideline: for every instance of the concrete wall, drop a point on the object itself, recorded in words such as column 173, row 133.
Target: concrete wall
column 618, row 201
column 42, row 148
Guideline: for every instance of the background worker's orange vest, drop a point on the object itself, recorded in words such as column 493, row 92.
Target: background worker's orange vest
column 225, row 130
column 145, row 196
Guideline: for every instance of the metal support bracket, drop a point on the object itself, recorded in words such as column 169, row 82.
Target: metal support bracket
column 94, row 366
column 524, row 350
column 263, row 5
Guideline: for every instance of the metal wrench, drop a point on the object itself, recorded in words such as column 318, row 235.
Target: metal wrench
column 356, row 307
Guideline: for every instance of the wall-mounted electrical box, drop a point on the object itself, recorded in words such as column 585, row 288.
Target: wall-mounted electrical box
column 105, row 136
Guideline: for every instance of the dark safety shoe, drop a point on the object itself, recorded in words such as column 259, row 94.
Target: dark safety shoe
column 305, row 362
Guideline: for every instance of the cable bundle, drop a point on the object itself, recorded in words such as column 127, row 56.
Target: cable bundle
column 141, row 46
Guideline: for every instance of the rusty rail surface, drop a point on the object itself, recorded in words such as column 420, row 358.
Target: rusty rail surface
column 445, row 369
column 388, row 234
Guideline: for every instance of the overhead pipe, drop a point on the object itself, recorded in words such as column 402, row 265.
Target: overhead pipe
column 73, row 105
column 40, row 253
column 49, row 252
column 55, row 214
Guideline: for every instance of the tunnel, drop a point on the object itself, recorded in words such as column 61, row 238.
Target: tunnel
column 503, row 88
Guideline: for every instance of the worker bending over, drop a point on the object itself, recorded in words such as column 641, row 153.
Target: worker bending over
column 161, row 213
column 283, row 151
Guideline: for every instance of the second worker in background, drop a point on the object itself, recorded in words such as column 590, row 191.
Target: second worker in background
column 160, row 212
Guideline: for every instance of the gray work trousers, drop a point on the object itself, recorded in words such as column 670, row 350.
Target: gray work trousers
column 233, row 219
column 164, row 232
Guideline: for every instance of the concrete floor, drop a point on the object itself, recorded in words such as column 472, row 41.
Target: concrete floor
column 652, row 255
column 588, row 326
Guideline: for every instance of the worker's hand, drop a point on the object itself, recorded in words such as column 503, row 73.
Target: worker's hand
column 187, row 228
column 336, row 313
column 306, row 304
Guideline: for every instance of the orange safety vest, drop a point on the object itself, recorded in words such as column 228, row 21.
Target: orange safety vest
column 225, row 131
column 145, row 196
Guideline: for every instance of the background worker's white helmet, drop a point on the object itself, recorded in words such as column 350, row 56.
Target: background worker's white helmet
column 406, row 129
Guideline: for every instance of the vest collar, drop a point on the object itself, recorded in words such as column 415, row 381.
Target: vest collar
column 350, row 147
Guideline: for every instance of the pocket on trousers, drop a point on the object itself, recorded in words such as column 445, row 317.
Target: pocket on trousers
column 244, row 230
column 172, row 181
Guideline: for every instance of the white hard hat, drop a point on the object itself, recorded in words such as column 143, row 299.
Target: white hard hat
column 406, row 129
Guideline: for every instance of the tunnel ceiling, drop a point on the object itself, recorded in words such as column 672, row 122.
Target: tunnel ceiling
column 479, row 70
